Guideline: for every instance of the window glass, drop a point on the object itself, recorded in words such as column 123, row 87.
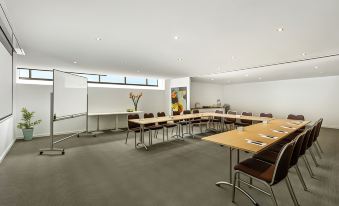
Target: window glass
column 136, row 80
column 152, row 82
column 90, row 77
column 23, row 73
column 39, row 74
column 112, row 79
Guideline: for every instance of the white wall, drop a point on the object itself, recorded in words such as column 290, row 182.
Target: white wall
column 37, row 98
column 7, row 137
column 312, row 97
column 206, row 94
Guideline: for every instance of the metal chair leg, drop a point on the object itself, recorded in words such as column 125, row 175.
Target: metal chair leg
column 167, row 132
column 135, row 139
column 234, row 182
column 308, row 167
column 290, row 189
column 313, row 157
column 317, row 150
column 163, row 134
column 321, row 150
column 127, row 136
column 300, row 177
column 274, row 200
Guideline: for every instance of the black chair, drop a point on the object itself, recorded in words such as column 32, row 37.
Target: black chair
column 230, row 122
column 133, row 127
column 153, row 127
column 245, row 122
column 267, row 173
column 269, row 115
column 165, row 124
column 315, row 140
column 217, row 121
column 185, row 122
column 198, row 122
column 298, row 117
column 271, row 156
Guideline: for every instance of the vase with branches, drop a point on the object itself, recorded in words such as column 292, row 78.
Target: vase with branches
column 135, row 99
column 27, row 125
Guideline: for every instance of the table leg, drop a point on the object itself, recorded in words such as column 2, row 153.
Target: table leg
column 142, row 134
column 116, row 129
column 98, row 127
column 230, row 179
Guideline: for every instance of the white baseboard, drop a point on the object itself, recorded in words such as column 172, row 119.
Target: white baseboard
column 3, row 155
column 47, row 134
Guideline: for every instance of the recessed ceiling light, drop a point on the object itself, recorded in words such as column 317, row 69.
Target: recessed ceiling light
column 281, row 29
column 259, row 78
column 246, row 75
column 180, row 59
column 176, row 37
column 212, row 79
column 75, row 62
column 304, row 54
column 316, row 67
column 99, row 38
column 232, row 57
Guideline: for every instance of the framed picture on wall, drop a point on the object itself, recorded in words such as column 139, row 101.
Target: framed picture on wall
column 179, row 99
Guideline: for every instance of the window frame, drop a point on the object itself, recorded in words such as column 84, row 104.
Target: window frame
column 92, row 82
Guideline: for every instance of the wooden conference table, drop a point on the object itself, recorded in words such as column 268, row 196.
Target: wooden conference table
column 187, row 117
column 254, row 139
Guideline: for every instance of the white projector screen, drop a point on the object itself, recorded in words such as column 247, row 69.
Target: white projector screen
column 70, row 94
column 6, row 83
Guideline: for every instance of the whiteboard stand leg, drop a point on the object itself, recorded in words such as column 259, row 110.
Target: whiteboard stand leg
column 52, row 150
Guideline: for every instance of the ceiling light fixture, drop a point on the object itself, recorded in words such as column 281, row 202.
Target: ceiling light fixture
column 304, row 54
column 138, row 71
column 212, row 79
column 316, row 67
column 99, row 38
column 232, row 57
column 176, row 37
column 260, row 78
column 180, row 59
column 246, row 75
column 281, row 29
column 75, row 62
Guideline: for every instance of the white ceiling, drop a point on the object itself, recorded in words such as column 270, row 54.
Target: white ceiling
column 138, row 36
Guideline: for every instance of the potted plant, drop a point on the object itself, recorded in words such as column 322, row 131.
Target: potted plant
column 27, row 126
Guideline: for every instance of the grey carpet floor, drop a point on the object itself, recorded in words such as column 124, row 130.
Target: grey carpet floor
column 104, row 170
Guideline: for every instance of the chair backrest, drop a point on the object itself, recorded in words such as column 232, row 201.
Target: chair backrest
column 132, row 125
column 187, row 112
column 176, row 113
column 305, row 142
column 232, row 113
column 196, row 111
column 161, row 114
column 296, row 117
column 299, row 140
column 283, row 162
column 149, row 115
column 320, row 122
column 245, row 120
column 269, row 115
column 218, row 112
column 312, row 136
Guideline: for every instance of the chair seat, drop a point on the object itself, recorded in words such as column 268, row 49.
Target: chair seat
column 242, row 124
column 196, row 121
column 216, row 120
column 256, row 168
column 169, row 125
column 155, row 127
column 229, row 122
column 204, row 120
column 184, row 122
column 138, row 129
column 267, row 156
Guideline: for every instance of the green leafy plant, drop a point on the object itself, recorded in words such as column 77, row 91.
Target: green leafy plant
column 27, row 120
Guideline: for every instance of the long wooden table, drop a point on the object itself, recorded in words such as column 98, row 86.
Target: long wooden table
column 254, row 139
column 143, row 122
